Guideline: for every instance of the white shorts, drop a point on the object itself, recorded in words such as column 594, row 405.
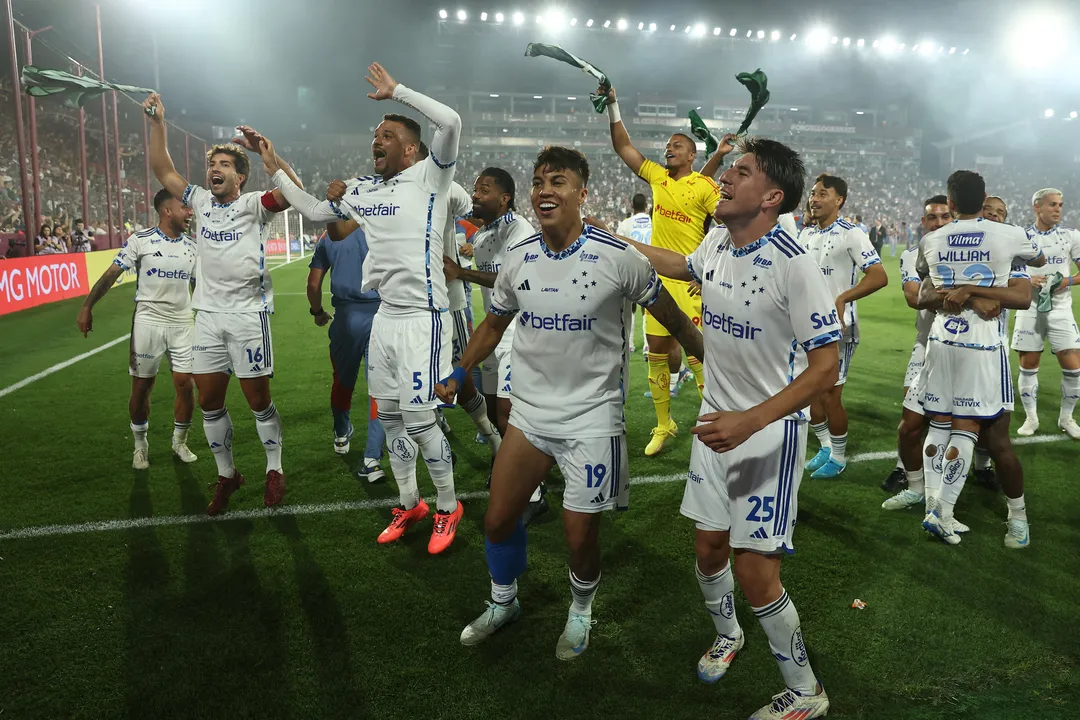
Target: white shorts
column 408, row 355
column 966, row 383
column 913, row 398
column 1033, row 329
column 462, row 334
column 596, row 471
column 750, row 492
column 239, row 343
column 847, row 352
column 495, row 371
column 149, row 343
column 915, row 364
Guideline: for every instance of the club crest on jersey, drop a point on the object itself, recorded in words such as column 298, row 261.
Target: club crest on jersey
column 762, row 262
column 588, row 257
column 956, row 325
column 818, row 321
column 973, row 239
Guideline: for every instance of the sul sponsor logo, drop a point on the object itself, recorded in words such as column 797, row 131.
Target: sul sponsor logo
column 819, row 321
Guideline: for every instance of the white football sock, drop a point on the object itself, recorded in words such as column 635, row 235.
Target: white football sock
column 425, row 432
column 583, row 593
column 268, row 425
column 839, row 448
column 821, row 430
column 477, row 410
column 937, row 437
column 217, row 426
column 1017, row 509
column 1070, row 392
column 1029, row 391
column 915, row 481
column 402, row 451
column 180, row 432
column 503, row 594
column 719, row 592
column 138, row 430
column 954, row 472
column 780, row 621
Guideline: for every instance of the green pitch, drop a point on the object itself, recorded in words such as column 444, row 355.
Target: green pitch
column 303, row 615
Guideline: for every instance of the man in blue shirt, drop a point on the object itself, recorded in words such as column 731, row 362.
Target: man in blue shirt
column 354, row 310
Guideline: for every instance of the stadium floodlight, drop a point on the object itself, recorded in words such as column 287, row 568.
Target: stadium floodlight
column 652, row 27
column 887, row 45
column 555, row 19
column 1038, row 40
column 901, row 46
column 876, row 42
column 859, row 112
column 860, row 43
column 952, row 51
column 818, row 38
column 641, row 26
column 622, row 23
column 499, row 17
column 716, row 31
column 793, row 36
column 607, row 24
column 941, row 49
column 926, row 48
column 442, row 14
column 518, row 18
column 760, row 34
column 1049, row 113
column 538, row 97
column 835, row 39
column 573, row 22
column 494, row 95
column 686, row 29
column 733, row 31
column 749, row 33
column 914, row 48
column 483, row 16
column 462, row 15
column 775, row 35
column 847, row 42
column 672, row 28
column 966, row 51
column 588, row 23
column 571, row 97
column 699, row 29
column 1072, row 115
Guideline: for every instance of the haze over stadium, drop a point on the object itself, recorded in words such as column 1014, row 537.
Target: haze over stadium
column 375, row 137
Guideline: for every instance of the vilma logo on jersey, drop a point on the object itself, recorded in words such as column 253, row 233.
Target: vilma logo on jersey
column 965, row 240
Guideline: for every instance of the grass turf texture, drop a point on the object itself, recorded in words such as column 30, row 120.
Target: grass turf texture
column 306, row 616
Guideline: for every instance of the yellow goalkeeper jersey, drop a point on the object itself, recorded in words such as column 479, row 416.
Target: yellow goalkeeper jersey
column 680, row 207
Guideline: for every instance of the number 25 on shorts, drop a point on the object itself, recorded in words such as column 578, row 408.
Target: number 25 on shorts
column 763, row 509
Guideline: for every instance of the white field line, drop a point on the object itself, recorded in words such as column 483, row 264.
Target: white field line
column 38, row 531
column 89, row 353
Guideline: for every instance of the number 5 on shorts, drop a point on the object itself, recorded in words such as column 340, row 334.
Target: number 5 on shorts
column 760, row 504
column 417, row 383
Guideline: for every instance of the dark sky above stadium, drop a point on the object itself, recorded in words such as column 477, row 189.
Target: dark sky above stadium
column 297, row 67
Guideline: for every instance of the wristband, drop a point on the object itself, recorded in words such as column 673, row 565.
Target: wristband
column 458, row 375
column 613, row 113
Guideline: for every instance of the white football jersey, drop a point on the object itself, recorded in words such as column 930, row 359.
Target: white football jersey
column 637, row 227
column 231, row 262
column 973, row 252
column 571, row 366
column 489, row 247
column 908, row 273
column 760, row 304
column 163, row 269
column 1062, row 248
column 459, row 205
column 841, row 251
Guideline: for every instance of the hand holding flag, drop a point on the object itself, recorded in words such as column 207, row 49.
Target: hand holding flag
column 600, row 97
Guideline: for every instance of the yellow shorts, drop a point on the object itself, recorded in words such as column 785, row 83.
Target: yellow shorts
column 680, row 291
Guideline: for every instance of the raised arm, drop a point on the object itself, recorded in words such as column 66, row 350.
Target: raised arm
column 668, row 263
column 620, row 139
column 160, row 161
column 713, row 165
column 253, row 141
column 307, row 206
column 444, row 146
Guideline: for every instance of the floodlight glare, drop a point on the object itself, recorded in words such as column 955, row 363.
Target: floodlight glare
column 860, row 43
column 641, row 26
column 733, row 31
column 716, row 31
column 462, row 15
column 518, row 18
column 652, row 27
column 483, row 16
column 699, row 29
column 818, row 38
column 775, row 35
column 607, row 23
column 622, row 23
column 1072, row 115
column 1037, row 40
column 499, row 17
column 847, row 42
column 442, row 14
column 760, row 34
column 573, row 22
column 588, row 23
column 1049, row 113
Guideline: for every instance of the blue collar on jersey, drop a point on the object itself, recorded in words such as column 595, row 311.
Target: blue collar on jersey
column 573, row 248
column 507, row 218
column 1037, row 231
column 757, row 244
column 215, row 203
column 166, row 237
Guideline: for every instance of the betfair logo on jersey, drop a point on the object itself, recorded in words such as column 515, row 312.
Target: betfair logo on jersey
column 1057, row 260
column 380, row 210
column 531, row 257
column 676, row 215
column 826, row 271
column 729, row 325
column 762, row 262
column 221, row 235
column 558, row 323
column 965, row 240
column 589, row 258
column 818, row 321
column 956, row 325
column 168, row 274
column 694, row 477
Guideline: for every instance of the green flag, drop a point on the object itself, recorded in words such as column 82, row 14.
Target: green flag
column 1045, row 301
column 758, row 85
column 599, row 100
column 74, row 90
column 701, row 131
